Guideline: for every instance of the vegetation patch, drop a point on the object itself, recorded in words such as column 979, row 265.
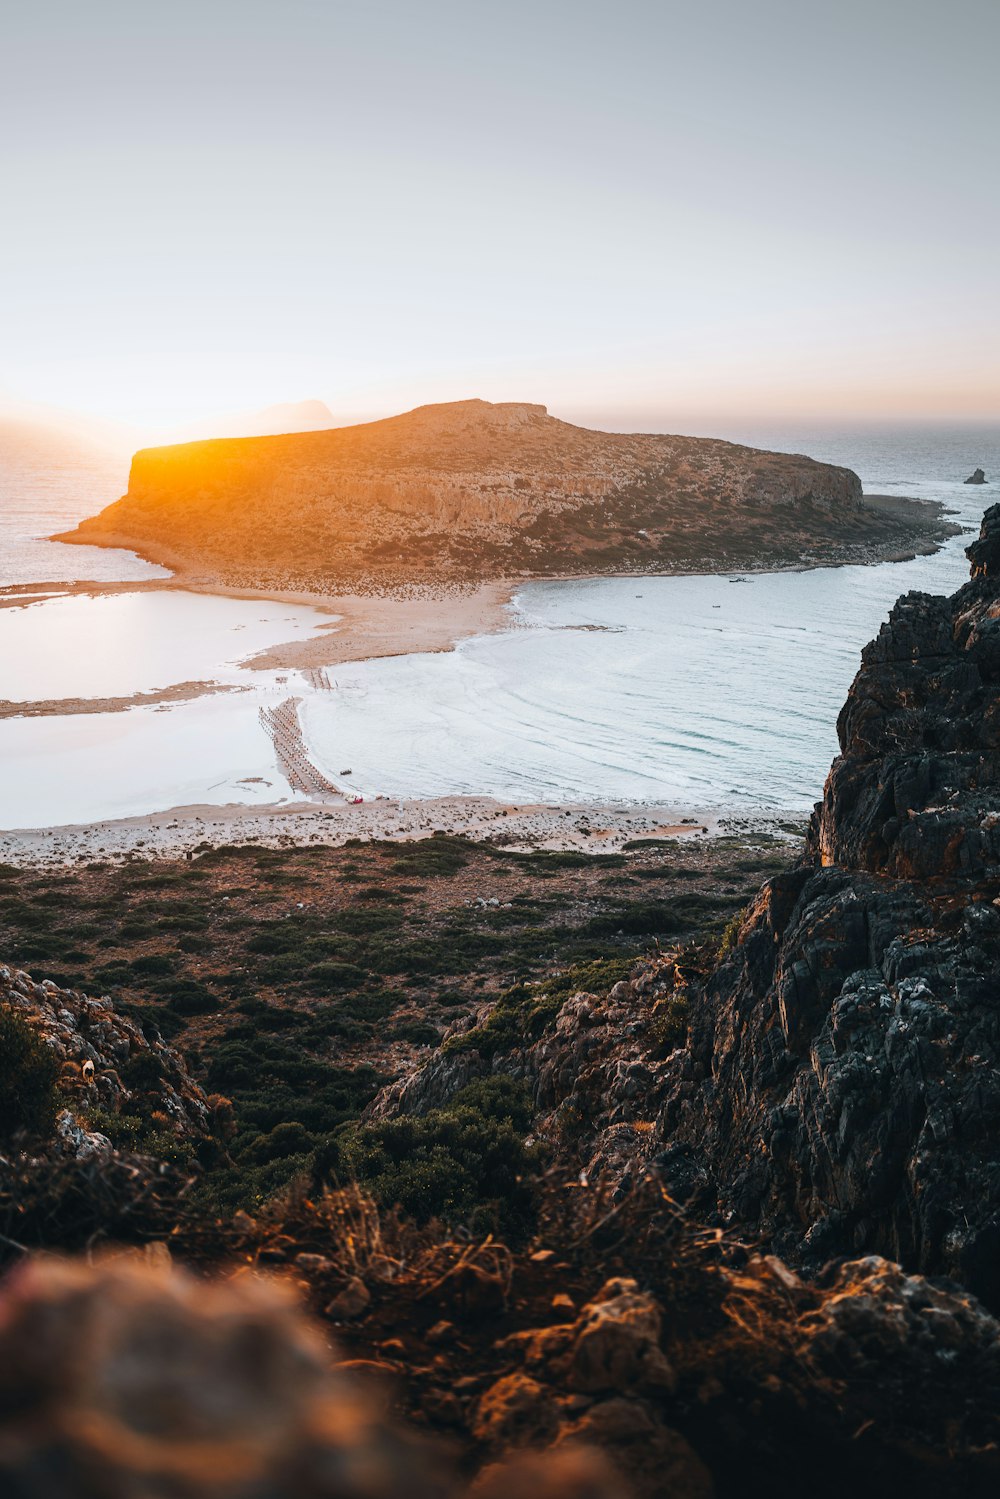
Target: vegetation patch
column 29, row 1077
column 525, row 1011
column 466, row 1162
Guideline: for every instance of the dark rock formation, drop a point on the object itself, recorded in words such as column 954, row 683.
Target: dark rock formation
column 117, row 1127
column 841, row 1091
column 976, row 477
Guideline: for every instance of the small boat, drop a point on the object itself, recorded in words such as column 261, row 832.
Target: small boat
column 345, row 772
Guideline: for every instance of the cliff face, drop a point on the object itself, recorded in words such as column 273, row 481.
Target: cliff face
column 471, row 490
column 914, row 791
column 841, row 1089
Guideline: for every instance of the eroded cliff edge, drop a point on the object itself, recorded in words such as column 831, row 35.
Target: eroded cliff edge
column 469, row 491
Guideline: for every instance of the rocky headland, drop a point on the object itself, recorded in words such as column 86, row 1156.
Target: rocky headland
column 468, row 492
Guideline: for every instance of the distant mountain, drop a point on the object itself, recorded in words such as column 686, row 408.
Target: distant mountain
column 470, row 491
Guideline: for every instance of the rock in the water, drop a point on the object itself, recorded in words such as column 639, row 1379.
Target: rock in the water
column 977, row 477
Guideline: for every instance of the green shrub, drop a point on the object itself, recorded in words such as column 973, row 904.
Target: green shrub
column 272, row 942
column 290, row 1138
column 441, row 854
column 466, row 1162
column 138, row 1136
column 189, row 997
column 29, row 1074
column 155, row 1022
column 668, row 1026
column 154, row 965
column 326, row 976
column 143, row 1070
column 731, row 934
column 417, row 1032
column 194, row 944
column 372, row 1006
column 366, row 919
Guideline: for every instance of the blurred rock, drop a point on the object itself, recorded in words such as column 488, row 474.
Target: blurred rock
column 120, row 1381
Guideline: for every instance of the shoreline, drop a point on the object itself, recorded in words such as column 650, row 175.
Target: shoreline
column 181, row 831
column 435, row 616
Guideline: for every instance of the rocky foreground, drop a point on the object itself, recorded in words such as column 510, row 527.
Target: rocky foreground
column 753, row 1192
column 469, row 491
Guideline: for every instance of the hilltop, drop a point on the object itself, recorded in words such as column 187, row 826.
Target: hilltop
column 469, row 491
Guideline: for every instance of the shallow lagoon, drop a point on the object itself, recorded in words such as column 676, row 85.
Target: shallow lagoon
column 699, row 692
column 114, row 645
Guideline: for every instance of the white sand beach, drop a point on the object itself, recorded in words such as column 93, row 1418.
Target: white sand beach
column 183, row 830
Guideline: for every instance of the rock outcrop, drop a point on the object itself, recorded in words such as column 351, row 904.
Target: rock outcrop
column 107, row 1067
column 472, row 491
column 841, row 1089
column 976, row 477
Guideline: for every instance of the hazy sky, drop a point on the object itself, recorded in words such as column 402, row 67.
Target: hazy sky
column 639, row 213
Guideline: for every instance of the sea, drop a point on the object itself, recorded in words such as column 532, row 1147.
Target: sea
column 710, row 694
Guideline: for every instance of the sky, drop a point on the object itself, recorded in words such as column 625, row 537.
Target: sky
column 645, row 215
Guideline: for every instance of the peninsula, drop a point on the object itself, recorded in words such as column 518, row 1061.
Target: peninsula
column 471, row 492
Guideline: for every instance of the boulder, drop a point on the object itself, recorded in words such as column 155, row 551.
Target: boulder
column 354, row 1299
column 516, row 1412
column 653, row 1459
column 117, row 1379
column 617, row 1343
